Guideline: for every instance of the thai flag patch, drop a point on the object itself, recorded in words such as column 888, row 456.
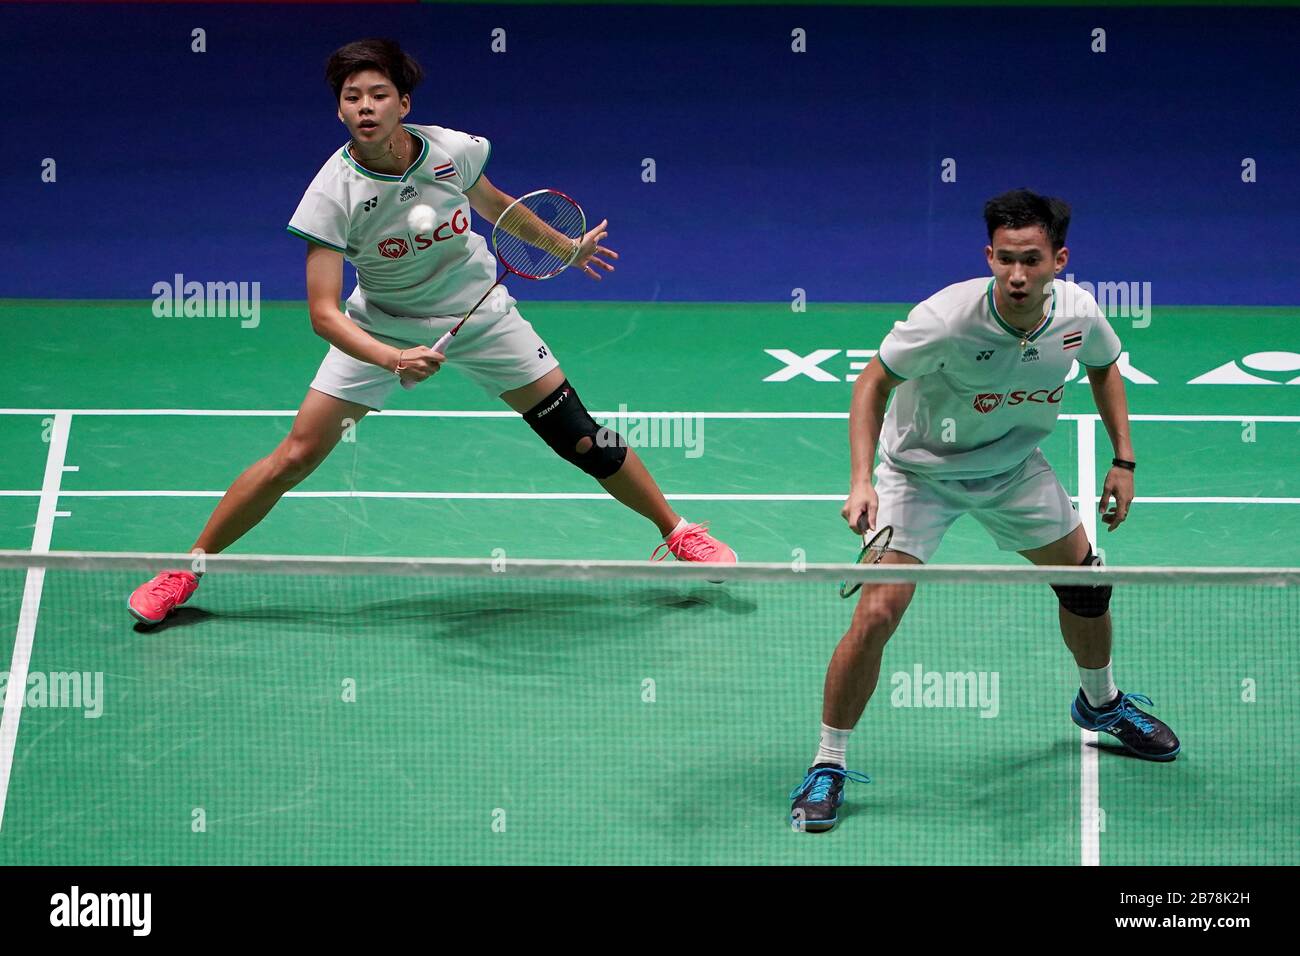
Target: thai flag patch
column 1072, row 341
column 446, row 171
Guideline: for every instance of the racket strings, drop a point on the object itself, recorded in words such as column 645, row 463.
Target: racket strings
column 535, row 236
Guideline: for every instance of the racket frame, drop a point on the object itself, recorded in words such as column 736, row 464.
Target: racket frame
column 887, row 532
column 508, row 269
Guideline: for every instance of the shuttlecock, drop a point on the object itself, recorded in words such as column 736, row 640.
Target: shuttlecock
column 420, row 218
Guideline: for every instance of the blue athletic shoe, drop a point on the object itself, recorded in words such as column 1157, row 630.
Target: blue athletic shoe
column 1140, row 733
column 818, row 798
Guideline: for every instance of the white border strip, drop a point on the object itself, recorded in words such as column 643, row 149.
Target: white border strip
column 31, row 606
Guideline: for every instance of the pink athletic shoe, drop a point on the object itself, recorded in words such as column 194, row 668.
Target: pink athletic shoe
column 692, row 542
column 156, row 598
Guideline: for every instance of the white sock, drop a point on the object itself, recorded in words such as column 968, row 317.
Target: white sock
column 681, row 523
column 833, row 745
column 1098, row 685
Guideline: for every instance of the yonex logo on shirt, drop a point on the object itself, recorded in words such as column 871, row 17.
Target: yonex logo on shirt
column 370, row 203
column 981, row 356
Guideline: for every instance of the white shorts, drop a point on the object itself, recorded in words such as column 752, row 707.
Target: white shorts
column 1023, row 508
column 497, row 351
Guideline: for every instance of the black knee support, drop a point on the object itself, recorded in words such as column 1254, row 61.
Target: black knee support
column 1085, row 600
column 563, row 422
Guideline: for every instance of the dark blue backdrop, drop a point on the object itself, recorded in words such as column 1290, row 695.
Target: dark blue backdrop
column 775, row 170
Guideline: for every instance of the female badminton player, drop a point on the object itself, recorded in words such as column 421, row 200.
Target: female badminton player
column 416, row 281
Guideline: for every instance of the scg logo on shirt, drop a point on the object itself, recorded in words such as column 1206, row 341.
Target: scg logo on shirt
column 395, row 248
column 445, row 231
column 987, row 401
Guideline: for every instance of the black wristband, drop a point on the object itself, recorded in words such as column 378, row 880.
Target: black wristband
column 1121, row 463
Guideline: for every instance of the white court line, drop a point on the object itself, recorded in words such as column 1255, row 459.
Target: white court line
column 447, row 495
column 589, row 496
column 32, row 587
column 1089, row 836
column 1214, row 500
column 416, row 413
column 437, row 413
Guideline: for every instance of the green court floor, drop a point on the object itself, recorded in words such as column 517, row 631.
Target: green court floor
column 510, row 723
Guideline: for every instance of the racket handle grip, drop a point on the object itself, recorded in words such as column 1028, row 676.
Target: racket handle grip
column 438, row 346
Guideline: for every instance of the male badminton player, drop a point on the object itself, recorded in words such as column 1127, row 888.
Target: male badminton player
column 980, row 368
column 410, row 290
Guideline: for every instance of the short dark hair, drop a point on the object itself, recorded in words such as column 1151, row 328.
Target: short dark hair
column 375, row 53
column 1021, row 207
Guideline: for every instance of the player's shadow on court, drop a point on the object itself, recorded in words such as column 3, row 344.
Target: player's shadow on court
column 1108, row 747
column 181, row 617
column 584, row 601
column 468, row 616
column 700, row 598
column 480, row 614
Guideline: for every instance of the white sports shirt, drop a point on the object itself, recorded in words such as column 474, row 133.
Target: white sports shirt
column 979, row 395
column 363, row 215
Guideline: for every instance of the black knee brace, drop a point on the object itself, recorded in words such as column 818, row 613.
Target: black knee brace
column 1085, row 600
column 562, row 422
